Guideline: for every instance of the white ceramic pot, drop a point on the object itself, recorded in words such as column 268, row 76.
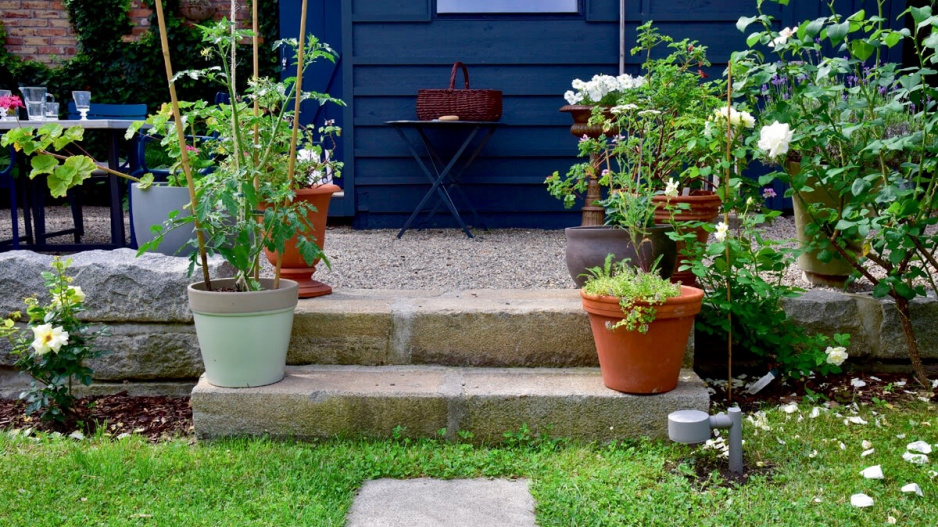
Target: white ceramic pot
column 243, row 336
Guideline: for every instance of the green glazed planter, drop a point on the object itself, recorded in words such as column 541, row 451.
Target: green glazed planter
column 243, row 336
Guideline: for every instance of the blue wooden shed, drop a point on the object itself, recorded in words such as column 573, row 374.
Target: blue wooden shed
column 529, row 49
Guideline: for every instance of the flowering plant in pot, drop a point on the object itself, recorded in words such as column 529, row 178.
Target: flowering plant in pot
column 864, row 132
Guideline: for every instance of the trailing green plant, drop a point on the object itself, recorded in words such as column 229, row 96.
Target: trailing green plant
column 864, row 134
column 638, row 291
column 54, row 346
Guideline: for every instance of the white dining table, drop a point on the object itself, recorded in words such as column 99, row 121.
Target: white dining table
column 116, row 129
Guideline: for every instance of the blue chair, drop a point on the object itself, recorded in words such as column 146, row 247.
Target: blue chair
column 15, row 186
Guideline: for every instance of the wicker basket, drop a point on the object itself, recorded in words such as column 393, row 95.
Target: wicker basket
column 468, row 105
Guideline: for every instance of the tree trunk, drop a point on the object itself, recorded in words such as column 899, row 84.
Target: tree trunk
column 905, row 317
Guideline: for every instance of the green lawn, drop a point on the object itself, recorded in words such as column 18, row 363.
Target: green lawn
column 810, row 468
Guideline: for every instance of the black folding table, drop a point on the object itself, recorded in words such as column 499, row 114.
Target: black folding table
column 443, row 175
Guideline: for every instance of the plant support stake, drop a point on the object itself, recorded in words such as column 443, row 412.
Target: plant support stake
column 181, row 136
column 726, row 220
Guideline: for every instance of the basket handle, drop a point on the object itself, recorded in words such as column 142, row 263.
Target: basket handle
column 452, row 76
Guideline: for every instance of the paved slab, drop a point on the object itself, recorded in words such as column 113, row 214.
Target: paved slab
column 443, row 503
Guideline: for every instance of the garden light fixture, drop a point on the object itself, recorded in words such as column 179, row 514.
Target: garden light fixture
column 693, row 426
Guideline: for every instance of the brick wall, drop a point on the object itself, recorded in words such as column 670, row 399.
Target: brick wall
column 40, row 29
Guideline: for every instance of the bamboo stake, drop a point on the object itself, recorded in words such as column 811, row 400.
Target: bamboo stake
column 181, row 136
column 726, row 220
column 255, row 41
column 291, row 167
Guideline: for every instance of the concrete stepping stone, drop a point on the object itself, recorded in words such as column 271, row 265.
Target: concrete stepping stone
column 430, row 502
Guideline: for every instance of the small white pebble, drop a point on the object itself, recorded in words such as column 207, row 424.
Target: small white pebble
column 919, row 446
column 918, row 459
column 874, row 472
column 913, row 487
column 861, row 500
column 866, row 444
column 867, row 452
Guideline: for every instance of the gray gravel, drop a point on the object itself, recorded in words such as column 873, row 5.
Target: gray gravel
column 431, row 259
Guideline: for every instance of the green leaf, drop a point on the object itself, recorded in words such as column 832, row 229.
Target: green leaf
column 920, row 14
column 42, row 164
column 813, row 28
column 859, row 187
column 744, row 22
column 861, row 49
column 931, row 42
column 893, row 38
column 837, row 32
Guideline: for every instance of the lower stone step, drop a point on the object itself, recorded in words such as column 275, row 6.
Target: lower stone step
column 419, row 401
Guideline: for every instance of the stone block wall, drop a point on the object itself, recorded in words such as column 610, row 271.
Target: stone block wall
column 40, row 29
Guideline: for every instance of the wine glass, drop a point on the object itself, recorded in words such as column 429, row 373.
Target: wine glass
column 82, row 103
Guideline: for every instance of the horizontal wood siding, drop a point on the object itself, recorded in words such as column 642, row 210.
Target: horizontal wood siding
column 397, row 47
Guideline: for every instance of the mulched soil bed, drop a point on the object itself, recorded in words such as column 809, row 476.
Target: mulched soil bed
column 155, row 418
column 160, row 418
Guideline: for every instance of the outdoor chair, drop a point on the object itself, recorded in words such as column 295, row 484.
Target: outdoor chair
column 15, row 186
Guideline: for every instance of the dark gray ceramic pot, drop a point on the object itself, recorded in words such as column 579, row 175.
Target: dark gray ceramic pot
column 587, row 247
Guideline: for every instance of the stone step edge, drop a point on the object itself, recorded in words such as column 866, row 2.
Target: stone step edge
column 326, row 401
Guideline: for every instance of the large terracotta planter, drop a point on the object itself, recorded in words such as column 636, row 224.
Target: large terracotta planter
column 294, row 267
column 243, row 337
column 829, row 274
column 704, row 206
column 643, row 363
column 588, row 246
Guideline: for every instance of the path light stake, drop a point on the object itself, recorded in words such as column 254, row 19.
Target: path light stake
column 693, row 426
column 181, row 136
column 726, row 220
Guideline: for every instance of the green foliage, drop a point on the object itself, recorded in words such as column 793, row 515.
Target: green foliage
column 54, row 347
column 638, row 291
column 131, row 72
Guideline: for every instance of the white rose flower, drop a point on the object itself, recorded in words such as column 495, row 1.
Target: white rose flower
column 782, row 37
column 836, row 356
column 671, row 188
column 77, row 293
column 720, row 234
column 47, row 338
column 774, row 139
column 736, row 118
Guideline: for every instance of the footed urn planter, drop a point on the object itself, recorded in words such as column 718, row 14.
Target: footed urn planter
column 642, row 363
column 704, row 207
column 593, row 214
column 243, row 337
column 588, row 246
column 294, row 267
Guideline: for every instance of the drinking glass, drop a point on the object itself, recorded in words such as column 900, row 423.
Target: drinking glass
column 52, row 111
column 35, row 100
column 82, row 103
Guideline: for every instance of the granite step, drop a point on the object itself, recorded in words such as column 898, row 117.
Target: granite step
column 322, row 401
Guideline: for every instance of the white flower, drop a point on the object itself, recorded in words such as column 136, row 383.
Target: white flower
column 774, row 139
column 874, row 472
column 782, row 37
column 643, row 113
column 623, row 108
column 913, row 487
column 736, row 117
column 572, row 97
column 918, row 459
column 47, row 338
column 836, row 356
column 720, row 234
column 919, row 446
column 861, row 500
column 671, row 188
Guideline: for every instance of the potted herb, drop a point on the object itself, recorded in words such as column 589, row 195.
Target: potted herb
column 658, row 127
column 641, row 323
column 241, row 208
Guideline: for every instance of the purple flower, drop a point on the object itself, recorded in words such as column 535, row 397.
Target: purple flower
column 851, row 80
column 882, row 90
column 585, row 138
column 778, row 81
column 769, row 193
column 765, row 89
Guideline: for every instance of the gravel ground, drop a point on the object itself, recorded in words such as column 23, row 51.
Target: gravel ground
column 427, row 259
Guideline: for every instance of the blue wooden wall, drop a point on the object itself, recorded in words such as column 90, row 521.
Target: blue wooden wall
column 392, row 48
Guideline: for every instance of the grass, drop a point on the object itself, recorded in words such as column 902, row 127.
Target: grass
column 806, row 479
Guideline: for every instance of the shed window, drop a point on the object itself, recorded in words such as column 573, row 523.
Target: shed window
column 506, row 6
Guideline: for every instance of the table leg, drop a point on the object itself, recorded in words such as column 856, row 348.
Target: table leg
column 117, row 212
column 436, row 182
column 457, row 177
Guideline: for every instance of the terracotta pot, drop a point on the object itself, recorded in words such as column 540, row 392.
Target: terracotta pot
column 643, row 363
column 829, row 274
column 294, row 267
column 704, row 206
column 587, row 247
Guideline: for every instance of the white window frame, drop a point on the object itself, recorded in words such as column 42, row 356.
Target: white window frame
column 450, row 7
